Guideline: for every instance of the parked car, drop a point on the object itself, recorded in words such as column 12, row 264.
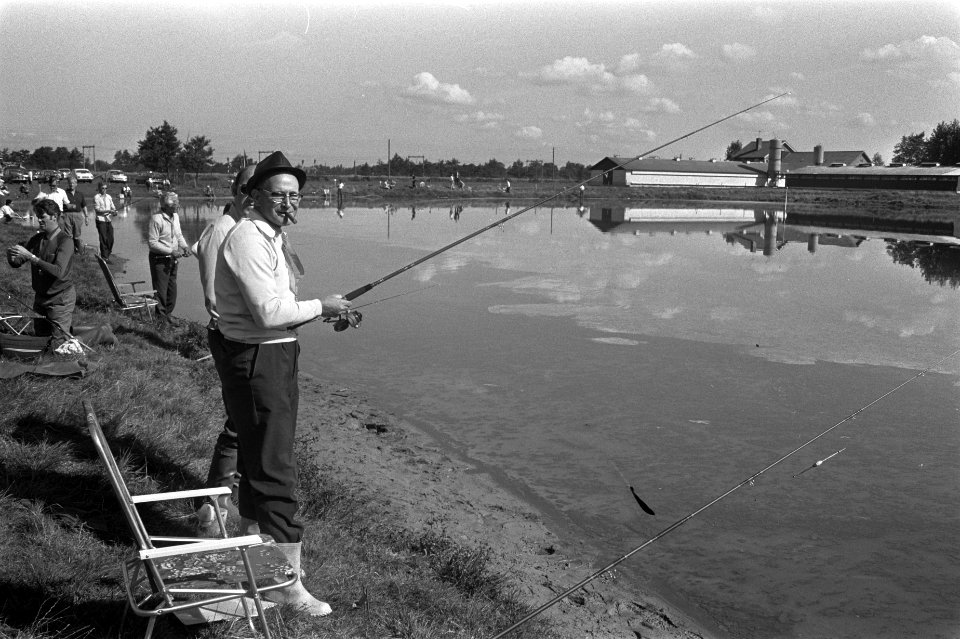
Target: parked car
column 155, row 178
column 83, row 175
column 116, row 175
column 16, row 174
column 64, row 173
column 44, row 175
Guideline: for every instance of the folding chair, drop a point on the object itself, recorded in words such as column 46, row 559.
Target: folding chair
column 141, row 301
column 10, row 321
column 196, row 579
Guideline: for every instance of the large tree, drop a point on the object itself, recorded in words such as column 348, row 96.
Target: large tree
column 912, row 149
column 196, row 154
column 159, row 149
column 943, row 145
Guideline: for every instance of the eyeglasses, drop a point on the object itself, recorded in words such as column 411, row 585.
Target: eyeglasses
column 278, row 198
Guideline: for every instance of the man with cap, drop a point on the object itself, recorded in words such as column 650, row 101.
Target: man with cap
column 255, row 284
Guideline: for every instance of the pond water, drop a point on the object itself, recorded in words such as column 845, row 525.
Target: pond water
column 572, row 353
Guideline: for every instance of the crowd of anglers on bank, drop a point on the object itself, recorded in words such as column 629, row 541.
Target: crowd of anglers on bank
column 249, row 273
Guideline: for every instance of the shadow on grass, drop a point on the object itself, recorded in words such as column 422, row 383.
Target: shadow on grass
column 38, row 613
column 82, row 495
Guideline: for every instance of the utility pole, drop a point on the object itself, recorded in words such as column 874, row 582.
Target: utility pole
column 388, row 159
column 93, row 154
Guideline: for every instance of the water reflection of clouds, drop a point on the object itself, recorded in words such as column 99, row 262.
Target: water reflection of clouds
column 916, row 326
column 426, row 272
column 556, row 289
column 616, row 341
column 666, row 313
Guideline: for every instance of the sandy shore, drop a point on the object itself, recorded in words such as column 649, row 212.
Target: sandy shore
column 425, row 487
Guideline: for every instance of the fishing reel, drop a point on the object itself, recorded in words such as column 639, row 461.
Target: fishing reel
column 345, row 320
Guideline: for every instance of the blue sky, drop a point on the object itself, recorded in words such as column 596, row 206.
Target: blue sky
column 575, row 81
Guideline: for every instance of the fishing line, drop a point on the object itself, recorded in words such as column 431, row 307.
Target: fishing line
column 643, row 505
column 685, row 519
column 384, row 299
column 366, row 287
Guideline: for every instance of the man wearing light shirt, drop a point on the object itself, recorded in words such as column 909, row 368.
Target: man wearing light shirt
column 167, row 246
column 223, row 463
column 103, row 208
column 256, row 354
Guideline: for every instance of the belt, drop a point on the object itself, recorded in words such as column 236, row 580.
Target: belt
column 161, row 256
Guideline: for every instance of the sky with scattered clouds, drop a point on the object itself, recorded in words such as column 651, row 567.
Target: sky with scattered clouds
column 333, row 82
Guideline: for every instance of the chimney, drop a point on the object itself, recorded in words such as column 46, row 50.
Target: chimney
column 774, row 160
column 759, row 145
column 818, row 155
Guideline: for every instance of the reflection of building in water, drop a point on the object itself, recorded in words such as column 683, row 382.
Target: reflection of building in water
column 760, row 228
column 650, row 220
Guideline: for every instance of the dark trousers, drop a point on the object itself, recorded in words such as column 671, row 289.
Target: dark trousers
column 163, row 274
column 57, row 312
column 105, row 231
column 262, row 396
column 223, row 464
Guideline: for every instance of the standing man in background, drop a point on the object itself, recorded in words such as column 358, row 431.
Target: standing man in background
column 103, row 209
column 167, row 246
column 76, row 205
column 256, row 299
column 223, row 464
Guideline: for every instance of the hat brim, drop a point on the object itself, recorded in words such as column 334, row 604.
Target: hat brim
column 256, row 179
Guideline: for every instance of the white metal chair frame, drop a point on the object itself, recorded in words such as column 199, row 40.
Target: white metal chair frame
column 132, row 301
column 144, row 565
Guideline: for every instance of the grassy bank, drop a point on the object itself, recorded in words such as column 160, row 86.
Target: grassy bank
column 62, row 538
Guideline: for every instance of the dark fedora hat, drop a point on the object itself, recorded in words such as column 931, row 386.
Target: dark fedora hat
column 274, row 164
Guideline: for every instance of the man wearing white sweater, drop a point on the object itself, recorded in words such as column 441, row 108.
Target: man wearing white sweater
column 256, row 355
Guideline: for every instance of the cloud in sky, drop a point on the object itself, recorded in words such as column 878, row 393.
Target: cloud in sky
column 864, row 119
column 937, row 59
column 676, row 50
column 427, row 88
column 595, row 77
column 484, row 119
column 529, row 133
column 738, row 52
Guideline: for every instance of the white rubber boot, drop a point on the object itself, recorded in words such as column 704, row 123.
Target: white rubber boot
column 296, row 595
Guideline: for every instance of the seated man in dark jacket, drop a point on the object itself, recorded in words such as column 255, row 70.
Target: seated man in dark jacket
column 50, row 253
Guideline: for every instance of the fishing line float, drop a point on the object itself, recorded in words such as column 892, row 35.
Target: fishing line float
column 686, row 518
column 345, row 320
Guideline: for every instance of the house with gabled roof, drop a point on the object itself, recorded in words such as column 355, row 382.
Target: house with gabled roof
column 790, row 158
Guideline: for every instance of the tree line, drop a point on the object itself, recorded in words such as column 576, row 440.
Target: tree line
column 941, row 147
column 162, row 151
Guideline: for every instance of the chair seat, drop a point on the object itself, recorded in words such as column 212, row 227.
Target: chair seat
column 219, row 569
